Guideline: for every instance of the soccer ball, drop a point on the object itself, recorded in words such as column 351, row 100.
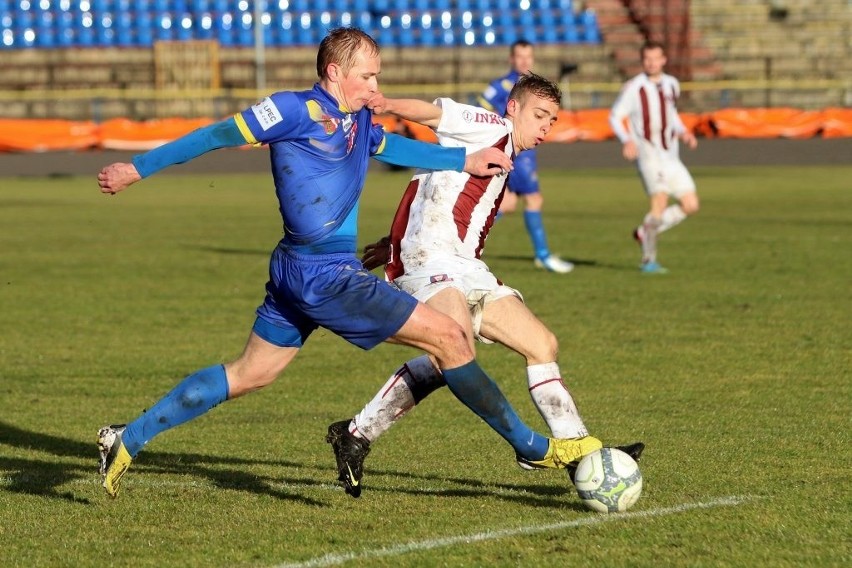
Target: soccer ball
column 608, row 481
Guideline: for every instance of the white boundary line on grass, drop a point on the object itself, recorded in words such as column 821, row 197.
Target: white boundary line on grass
column 594, row 519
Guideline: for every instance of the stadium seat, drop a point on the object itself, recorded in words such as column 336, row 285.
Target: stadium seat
column 163, row 27
column 125, row 29
column 64, row 23
column 184, row 25
column 200, row 6
column 104, row 34
column 591, row 33
column 144, row 23
column 570, row 33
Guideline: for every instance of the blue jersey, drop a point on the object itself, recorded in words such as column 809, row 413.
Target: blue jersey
column 496, row 95
column 320, row 156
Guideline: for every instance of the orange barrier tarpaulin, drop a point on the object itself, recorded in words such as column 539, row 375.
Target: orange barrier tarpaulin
column 23, row 135
column 565, row 129
column 124, row 134
column 44, row 135
column 766, row 123
column 836, row 122
column 593, row 124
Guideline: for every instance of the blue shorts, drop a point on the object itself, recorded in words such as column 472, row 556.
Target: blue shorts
column 331, row 291
column 524, row 178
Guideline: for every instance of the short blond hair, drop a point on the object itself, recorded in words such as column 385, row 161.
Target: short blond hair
column 341, row 46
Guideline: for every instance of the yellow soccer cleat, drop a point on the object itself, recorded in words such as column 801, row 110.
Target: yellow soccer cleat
column 114, row 457
column 561, row 452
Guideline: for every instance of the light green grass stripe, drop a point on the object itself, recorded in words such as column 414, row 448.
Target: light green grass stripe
column 335, row 559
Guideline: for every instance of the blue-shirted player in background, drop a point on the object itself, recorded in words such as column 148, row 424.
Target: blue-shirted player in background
column 320, row 143
column 523, row 180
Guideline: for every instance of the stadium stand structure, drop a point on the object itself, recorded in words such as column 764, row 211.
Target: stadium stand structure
column 406, row 23
column 798, row 42
column 743, row 40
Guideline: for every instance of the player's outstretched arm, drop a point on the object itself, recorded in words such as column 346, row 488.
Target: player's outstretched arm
column 414, row 110
column 116, row 177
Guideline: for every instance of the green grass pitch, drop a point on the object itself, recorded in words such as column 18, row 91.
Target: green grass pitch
column 734, row 369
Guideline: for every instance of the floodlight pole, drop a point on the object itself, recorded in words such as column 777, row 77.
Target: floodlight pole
column 259, row 48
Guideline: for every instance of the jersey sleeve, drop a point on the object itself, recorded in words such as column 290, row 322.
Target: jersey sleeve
column 468, row 124
column 678, row 127
column 621, row 110
column 277, row 117
column 377, row 139
column 489, row 97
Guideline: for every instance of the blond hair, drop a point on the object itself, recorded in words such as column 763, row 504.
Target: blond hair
column 341, row 46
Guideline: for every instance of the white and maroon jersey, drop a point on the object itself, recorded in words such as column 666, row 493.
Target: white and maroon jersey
column 651, row 113
column 444, row 216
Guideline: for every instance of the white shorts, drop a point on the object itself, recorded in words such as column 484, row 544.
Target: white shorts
column 479, row 286
column 663, row 172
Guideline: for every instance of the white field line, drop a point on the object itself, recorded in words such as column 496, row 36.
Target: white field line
column 592, row 519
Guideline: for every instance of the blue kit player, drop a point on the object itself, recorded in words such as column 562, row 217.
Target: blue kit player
column 320, row 142
column 523, row 180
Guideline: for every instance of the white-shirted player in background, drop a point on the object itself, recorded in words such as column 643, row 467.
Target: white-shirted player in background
column 647, row 101
column 433, row 252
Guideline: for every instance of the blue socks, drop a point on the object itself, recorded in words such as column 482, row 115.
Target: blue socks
column 535, row 228
column 194, row 396
column 477, row 391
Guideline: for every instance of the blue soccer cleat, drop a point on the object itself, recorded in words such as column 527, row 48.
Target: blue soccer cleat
column 553, row 263
column 653, row 267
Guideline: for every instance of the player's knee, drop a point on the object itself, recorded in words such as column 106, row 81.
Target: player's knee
column 242, row 380
column 689, row 204
column 546, row 349
column 452, row 346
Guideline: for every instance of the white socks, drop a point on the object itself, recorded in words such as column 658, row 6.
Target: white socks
column 554, row 402
column 650, row 230
column 402, row 391
column 416, row 379
column 671, row 217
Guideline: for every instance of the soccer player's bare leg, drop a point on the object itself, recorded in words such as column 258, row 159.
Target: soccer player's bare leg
column 440, row 336
column 510, row 322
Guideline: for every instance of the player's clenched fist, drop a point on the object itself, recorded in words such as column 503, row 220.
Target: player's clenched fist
column 376, row 254
column 116, row 177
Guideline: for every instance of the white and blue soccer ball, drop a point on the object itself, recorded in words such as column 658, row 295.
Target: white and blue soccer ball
column 608, row 481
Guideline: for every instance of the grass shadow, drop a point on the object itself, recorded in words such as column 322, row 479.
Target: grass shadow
column 44, row 478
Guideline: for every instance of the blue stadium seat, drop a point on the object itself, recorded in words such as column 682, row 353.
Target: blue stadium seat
column 164, row 27
column 203, row 26
column 570, row 33
column 547, row 18
column 160, row 6
column 508, row 35
column 144, row 29
column 284, row 36
column 104, row 34
column 184, row 26
column 199, row 6
column 84, row 36
column 223, row 26
column 125, row 29
column 591, row 32
column 64, row 23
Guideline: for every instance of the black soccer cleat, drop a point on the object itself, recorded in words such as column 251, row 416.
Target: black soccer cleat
column 633, row 450
column 350, row 453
